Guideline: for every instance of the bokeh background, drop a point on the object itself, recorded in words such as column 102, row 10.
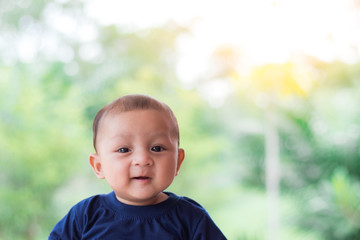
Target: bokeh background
column 266, row 92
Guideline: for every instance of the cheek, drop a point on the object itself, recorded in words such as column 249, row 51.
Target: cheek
column 169, row 169
column 116, row 170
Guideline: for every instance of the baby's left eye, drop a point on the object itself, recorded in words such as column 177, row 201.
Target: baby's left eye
column 157, row 149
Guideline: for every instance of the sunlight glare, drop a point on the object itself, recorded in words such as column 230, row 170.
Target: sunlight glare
column 267, row 31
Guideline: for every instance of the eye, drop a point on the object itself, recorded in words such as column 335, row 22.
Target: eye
column 157, row 149
column 123, row 150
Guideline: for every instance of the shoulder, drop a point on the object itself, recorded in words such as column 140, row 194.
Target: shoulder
column 189, row 210
column 88, row 205
column 188, row 204
column 90, row 210
column 91, row 202
column 79, row 217
column 203, row 227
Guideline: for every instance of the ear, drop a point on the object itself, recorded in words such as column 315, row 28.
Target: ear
column 95, row 163
column 181, row 157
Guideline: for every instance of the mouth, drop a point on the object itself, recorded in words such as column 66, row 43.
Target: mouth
column 141, row 178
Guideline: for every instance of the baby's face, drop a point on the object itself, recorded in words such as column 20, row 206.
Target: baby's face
column 137, row 155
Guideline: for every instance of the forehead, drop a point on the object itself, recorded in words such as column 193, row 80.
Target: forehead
column 149, row 118
column 153, row 113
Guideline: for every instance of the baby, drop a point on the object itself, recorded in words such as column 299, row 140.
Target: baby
column 136, row 141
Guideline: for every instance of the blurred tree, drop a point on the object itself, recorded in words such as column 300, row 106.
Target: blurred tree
column 317, row 134
column 42, row 135
column 322, row 145
column 271, row 83
column 267, row 86
column 41, row 121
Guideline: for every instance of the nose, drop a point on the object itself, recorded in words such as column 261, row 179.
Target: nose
column 142, row 158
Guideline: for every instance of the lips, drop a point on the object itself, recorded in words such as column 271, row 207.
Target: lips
column 141, row 178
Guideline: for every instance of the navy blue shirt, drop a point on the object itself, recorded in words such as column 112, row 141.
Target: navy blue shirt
column 104, row 217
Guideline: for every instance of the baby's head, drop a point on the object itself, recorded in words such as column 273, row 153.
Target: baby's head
column 131, row 103
column 136, row 139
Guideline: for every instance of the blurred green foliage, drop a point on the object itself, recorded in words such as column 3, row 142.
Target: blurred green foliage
column 47, row 104
column 39, row 126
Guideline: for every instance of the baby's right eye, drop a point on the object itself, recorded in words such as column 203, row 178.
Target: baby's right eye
column 123, row 150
